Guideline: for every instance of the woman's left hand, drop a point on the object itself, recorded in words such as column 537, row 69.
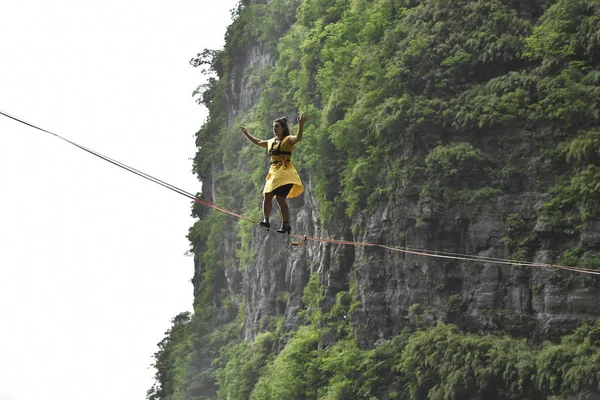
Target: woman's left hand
column 302, row 119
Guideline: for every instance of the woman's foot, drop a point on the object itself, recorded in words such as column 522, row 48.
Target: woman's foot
column 265, row 223
column 285, row 228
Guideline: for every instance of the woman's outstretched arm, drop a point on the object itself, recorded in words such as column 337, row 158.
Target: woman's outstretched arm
column 301, row 121
column 255, row 140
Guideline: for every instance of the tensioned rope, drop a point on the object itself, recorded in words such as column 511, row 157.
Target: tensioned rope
column 131, row 169
column 303, row 238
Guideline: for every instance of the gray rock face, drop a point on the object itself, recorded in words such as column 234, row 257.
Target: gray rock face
column 522, row 300
column 590, row 237
column 243, row 93
column 399, row 290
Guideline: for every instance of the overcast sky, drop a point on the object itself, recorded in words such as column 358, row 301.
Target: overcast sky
column 92, row 258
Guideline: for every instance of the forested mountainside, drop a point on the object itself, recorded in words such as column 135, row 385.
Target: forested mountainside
column 459, row 126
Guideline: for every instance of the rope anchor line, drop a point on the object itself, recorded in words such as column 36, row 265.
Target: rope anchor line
column 293, row 244
column 304, row 238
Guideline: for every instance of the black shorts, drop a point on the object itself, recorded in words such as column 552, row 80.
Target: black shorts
column 283, row 190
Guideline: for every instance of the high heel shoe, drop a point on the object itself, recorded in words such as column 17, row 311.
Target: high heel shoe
column 265, row 224
column 285, row 228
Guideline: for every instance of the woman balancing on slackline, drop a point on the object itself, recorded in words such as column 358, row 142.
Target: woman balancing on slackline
column 283, row 179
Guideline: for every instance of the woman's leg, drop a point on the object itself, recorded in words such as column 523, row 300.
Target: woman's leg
column 267, row 205
column 285, row 211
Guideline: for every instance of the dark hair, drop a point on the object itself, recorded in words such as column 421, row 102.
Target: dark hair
column 284, row 126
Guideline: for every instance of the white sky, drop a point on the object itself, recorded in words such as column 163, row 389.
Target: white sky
column 92, row 265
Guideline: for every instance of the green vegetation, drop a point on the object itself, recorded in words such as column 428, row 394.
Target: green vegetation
column 519, row 237
column 443, row 102
column 435, row 363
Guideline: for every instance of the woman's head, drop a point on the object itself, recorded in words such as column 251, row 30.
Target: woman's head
column 280, row 128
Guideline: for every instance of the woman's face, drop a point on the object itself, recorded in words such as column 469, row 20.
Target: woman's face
column 277, row 130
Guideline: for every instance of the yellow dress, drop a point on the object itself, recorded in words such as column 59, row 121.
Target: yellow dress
column 282, row 171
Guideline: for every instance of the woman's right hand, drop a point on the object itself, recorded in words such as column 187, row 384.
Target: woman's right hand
column 243, row 130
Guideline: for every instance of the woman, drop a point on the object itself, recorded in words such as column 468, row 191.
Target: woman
column 283, row 179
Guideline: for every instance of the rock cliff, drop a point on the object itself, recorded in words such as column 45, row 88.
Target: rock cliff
column 397, row 290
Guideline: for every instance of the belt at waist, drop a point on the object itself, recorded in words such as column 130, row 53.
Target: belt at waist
column 279, row 162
